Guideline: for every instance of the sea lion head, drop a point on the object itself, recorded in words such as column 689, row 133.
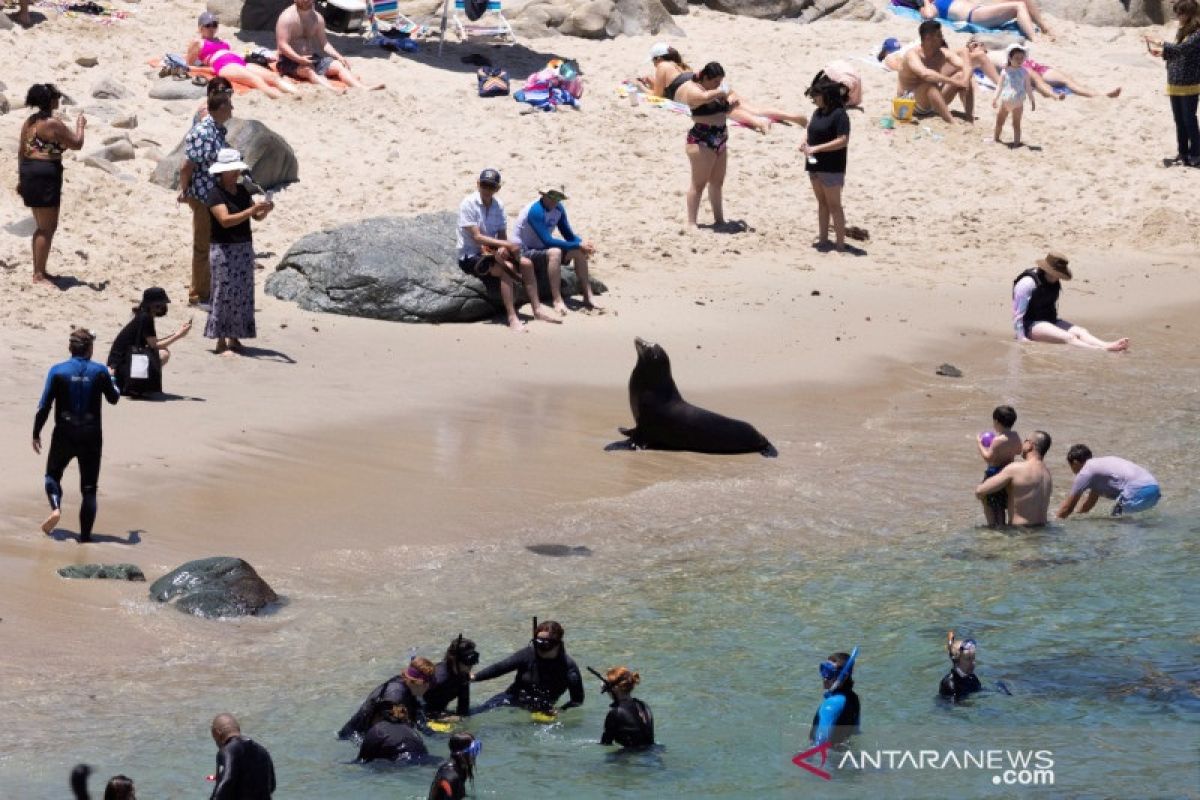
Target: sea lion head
column 651, row 353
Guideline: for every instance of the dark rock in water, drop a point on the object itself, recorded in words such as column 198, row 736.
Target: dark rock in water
column 272, row 160
column 116, row 572
column 1039, row 563
column 403, row 269
column 214, row 587
column 949, row 371
column 559, row 550
column 970, row 555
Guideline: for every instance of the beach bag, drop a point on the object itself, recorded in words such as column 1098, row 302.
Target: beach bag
column 140, row 372
column 493, row 82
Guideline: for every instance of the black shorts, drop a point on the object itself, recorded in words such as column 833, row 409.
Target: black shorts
column 40, row 182
column 289, row 68
column 478, row 266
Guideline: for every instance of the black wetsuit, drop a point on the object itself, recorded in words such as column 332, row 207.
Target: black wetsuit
column 448, row 783
column 244, row 771
column 629, row 723
column 391, row 692
column 539, row 681
column 957, row 686
column 847, row 721
column 1043, row 303
column 74, row 389
column 392, row 741
column 447, row 685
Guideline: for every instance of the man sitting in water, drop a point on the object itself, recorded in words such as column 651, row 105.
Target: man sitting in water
column 998, row 448
column 935, row 75
column 1132, row 486
column 960, row 681
column 1028, row 483
column 535, row 231
column 305, row 53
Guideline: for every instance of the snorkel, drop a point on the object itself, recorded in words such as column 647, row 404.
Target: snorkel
column 827, row 671
column 605, row 686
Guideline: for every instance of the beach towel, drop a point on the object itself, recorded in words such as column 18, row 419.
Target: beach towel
column 547, row 89
column 239, row 88
column 961, row 27
column 101, row 15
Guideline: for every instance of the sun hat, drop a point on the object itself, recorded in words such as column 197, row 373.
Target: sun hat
column 228, row 160
column 553, row 192
column 1057, row 263
column 155, row 294
column 659, row 50
column 206, row 18
column 490, row 177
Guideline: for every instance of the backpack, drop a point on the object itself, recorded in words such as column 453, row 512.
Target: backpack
column 493, row 82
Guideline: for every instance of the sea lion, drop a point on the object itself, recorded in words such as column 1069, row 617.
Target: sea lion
column 663, row 420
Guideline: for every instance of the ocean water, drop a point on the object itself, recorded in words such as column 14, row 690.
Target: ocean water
column 724, row 583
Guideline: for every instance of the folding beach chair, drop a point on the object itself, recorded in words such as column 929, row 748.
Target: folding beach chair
column 491, row 27
column 386, row 14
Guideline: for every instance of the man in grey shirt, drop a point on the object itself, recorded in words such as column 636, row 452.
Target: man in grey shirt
column 1132, row 486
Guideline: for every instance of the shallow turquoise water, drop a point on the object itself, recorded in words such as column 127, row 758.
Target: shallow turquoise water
column 725, row 593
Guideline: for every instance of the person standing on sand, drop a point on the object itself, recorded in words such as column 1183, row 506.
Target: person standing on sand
column 40, row 149
column 934, row 75
column 74, row 389
column 1015, row 85
column 1035, row 308
column 1183, row 80
column 707, row 96
column 200, row 148
column 825, row 150
column 1027, row 482
column 1132, row 486
column 305, row 53
column 998, row 448
column 244, row 767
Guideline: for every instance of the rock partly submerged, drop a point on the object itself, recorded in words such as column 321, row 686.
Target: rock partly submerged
column 115, row 572
column 214, row 587
column 402, row 269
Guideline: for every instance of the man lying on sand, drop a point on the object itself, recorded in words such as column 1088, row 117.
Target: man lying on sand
column 305, row 54
column 935, row 75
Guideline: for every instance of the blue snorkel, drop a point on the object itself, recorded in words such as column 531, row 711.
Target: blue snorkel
column 843, row 674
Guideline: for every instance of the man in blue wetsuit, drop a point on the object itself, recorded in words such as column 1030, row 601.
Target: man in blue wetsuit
column 74, row 389
column 535, row 231
column 837, row 718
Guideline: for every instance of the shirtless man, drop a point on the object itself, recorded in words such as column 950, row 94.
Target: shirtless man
column 1028, row 483
column 1003, row 445
column 935, row 75
column 305, row 54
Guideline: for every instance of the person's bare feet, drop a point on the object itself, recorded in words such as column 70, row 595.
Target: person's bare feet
column 51, row 522
column 517, row 326
column 546, row 316
column 561, row 308
column 1119, row 346
column 375, row 87
column 1114, row 93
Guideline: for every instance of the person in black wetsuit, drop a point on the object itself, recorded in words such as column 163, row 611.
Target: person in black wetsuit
column 119, row 787
column 452, row 681
column 244, row 767
column 406, row 689
column 450, row 782
column 544, row 672
column 960, row 681
column 629, row 722
column 837, row 717
column 74, row 389
column 393, row 738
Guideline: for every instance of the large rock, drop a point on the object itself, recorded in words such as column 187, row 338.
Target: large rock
column 1110, row 12
column 272, row 160
column 116, row 572
column 4, row 106
column 805, row 10
column 251, row 15
column 108, row 89
column 401, row 269
column 174, row 89
column 214, row 587
column 597, row 19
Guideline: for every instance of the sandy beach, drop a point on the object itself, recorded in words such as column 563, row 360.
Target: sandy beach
column 460, row 436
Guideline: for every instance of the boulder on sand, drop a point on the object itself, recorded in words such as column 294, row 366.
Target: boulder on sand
column 272, row 160
column 250, row 15
column 116, row 572
column 403, row 269
column 596, row 19
column 1125, row 13
column 214, row 587
column 806, row 10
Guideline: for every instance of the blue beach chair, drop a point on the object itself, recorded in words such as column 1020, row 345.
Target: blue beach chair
column 491, row 27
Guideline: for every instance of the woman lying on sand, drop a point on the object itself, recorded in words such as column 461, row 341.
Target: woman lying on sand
column 209, row 51
column 987, row 13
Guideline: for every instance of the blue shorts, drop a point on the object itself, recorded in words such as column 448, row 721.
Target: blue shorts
column 1141, row 499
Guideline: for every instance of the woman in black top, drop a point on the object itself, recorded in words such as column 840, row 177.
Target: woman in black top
column 707, row 96
column 450, row 782
column 140, row 334
column 543, row 672
column 231, row 254
column 828, row 137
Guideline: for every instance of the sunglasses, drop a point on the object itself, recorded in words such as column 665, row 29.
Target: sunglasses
column 545, row 644
column 210, row 25
column 829, row 670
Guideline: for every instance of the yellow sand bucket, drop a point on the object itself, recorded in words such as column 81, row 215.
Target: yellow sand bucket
column 903, row 109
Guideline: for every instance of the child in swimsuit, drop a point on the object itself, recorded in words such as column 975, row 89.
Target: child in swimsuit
column 1015, row 86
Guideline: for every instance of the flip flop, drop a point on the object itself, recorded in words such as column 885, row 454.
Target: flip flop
column 200, row 80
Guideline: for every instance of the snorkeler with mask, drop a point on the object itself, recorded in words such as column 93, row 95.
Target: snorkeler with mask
column 450, row 782
column 629, row 722
column 543, row 672
column 838, row 715
column 406, row 689
column 960, row 681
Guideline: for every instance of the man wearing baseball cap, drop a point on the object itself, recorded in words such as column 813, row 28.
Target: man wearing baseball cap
column 1035, row 308
column 74, row 389
column 535, row 231
column 485, row 251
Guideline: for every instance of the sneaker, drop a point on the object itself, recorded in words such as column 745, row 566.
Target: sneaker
column 1173, row 160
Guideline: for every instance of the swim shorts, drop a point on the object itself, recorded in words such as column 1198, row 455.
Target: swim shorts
column 476, row 265
column 997, row 502
column 289, row 68
column 1143, row 498
column 831, row 179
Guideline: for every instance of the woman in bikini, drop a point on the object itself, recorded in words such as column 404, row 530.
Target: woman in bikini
column 209, row 51
column 670, row 72
column 40, row 170
column 708, row 98
column 989, row 13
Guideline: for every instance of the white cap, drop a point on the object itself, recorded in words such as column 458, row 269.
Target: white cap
column 659, row 50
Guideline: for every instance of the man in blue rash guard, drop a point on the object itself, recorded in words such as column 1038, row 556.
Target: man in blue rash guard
column 535, row 231
column 837, row 717
column 74, row 389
